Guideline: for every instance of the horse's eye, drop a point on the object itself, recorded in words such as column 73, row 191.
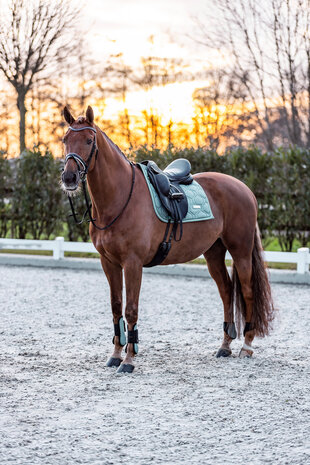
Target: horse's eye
column 89, row 141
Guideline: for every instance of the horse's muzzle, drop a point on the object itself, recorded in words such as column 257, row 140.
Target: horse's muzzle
column 70, row 180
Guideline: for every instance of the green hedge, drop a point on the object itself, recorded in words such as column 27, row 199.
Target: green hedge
column 32, row 203
column 280, row 180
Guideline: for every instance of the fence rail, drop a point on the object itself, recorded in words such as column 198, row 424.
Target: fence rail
column 59, row 246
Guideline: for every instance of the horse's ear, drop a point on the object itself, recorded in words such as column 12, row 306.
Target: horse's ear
column 68, row 117
column 90, row 114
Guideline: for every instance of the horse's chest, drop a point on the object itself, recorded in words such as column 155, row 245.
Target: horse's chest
column 107, row 244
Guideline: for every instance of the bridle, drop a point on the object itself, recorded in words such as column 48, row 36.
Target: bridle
column 83, row 167
column 78, row 159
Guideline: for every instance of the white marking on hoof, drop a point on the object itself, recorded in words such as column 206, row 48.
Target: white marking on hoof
column 246, row 347
column 246, row 351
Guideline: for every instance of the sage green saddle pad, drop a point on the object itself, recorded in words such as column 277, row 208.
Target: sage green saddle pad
column 198, row 204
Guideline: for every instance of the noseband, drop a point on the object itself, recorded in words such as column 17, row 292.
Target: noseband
column 83, row 172
column 78, row 159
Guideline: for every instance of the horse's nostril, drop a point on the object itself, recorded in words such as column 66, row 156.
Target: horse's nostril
column 69, row 177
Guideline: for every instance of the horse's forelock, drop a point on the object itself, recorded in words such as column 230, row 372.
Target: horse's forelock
column 81, row 119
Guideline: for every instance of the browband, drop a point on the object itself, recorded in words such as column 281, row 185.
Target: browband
column 81, row 129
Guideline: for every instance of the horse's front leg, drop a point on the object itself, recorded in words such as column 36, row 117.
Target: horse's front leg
column 114, row 274
column 133, row 277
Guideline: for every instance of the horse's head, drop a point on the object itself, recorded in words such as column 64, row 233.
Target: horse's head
column 80, row 148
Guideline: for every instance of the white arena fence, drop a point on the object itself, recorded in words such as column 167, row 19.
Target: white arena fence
column 59, row 246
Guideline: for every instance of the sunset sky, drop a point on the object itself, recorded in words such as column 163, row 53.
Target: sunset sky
column 125, row 26
column 135, row 29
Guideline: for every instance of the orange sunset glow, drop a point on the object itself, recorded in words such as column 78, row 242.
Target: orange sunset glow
column 155, row 74
column 142, row 30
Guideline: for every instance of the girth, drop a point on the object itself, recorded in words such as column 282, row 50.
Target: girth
column 167, row 185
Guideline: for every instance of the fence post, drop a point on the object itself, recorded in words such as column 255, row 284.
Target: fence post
column 302, row 260
column 58, row 252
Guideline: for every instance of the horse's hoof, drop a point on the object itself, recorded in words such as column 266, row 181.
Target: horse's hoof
column 114, row 362
column 244, row 353
column 125, row 368
column 223, row 353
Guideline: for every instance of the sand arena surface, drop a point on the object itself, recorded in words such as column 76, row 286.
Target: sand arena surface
column 59, row 404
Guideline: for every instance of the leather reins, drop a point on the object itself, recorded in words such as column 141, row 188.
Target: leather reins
column 83, row 173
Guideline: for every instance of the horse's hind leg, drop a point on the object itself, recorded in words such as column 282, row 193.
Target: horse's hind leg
column 254, row 303
column 114, row 275
column 243, row 267
column 215, row 257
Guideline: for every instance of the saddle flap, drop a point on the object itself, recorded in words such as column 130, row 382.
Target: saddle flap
column 179, row 206
column 170, row 193
column 160, row 181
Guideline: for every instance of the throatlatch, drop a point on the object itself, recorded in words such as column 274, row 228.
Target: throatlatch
column 119, row 330
column 230, row 329
column 132, row 338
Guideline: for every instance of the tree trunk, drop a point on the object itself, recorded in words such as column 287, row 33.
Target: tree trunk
column 22, row 120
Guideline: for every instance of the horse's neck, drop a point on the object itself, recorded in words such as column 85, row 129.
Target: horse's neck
column 108, row 180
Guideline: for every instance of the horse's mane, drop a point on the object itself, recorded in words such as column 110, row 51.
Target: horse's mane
column 82, row 120
column 114, row 145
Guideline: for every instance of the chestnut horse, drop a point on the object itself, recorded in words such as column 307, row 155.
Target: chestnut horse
column 126, row 232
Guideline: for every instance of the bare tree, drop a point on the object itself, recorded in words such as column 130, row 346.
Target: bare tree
column 220, row 111
column 120, row 82
column 35, row 37
column 157, row 71
column 268, row 45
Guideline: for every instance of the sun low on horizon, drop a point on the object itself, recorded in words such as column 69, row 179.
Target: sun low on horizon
column 138, row 29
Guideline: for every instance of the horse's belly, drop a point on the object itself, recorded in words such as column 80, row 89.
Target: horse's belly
column 197, row 238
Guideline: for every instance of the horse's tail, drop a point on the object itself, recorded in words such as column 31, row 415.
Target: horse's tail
column 263, row 307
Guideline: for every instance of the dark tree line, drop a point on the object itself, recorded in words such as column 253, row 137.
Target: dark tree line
column 32, row 204
column 279, row 179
